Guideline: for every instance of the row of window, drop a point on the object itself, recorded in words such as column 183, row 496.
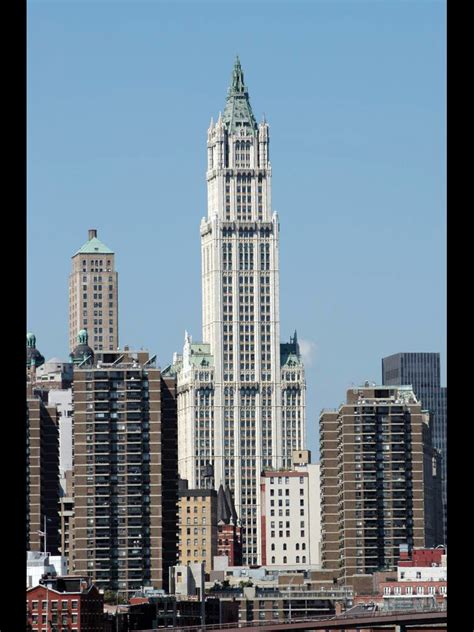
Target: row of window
column 53, row 604
column 420, row 590
column 285, row 559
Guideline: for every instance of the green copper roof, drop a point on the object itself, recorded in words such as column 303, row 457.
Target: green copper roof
column 201, row 354
column 290, row 353
column 238, row 112
column 94, row 246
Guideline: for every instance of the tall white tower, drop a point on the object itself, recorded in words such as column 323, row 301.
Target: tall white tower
column 241, row 395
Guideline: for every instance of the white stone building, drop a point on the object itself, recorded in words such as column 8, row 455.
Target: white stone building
column 38, row 564
column 56, row 376
column 241, row 395
column 291, row 522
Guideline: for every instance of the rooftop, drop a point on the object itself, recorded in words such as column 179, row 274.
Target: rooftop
column 94, row 246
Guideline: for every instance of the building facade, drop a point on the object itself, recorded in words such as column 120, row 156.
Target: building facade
column 64, row 603
column 42, row 472
column 422, row 371
column 197, row 520
column 120, row 530
column 54, row 379
column 291, row 523
column 374, row 479
column 93, row 295
column 229, row 530
column 241, row 395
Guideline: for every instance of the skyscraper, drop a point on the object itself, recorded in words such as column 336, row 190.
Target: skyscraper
column 125, row 485
column 378, row 480
column 422, row 371
column 93, row 295
column 241, row 395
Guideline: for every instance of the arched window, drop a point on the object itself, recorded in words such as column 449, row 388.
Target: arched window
column 297, row 559
column 284, row 559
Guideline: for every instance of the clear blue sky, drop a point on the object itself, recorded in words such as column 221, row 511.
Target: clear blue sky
column 120, row 95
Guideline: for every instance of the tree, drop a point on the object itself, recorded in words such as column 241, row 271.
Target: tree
column 111, row 597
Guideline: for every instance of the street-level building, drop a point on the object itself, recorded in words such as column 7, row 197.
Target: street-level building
column 93, row 295
column 241, row 395
column 69, row 603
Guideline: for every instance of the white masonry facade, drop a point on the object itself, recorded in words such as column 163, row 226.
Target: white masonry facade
column 241, row 394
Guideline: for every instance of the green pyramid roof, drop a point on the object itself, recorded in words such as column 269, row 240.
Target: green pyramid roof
column 94, row 246
column 238, row 112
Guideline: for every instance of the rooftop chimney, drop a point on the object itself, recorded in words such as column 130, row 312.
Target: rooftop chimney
column 92, row 233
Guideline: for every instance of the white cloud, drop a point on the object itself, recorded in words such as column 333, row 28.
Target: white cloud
column 308, row 350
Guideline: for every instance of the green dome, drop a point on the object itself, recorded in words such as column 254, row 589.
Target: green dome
column 82, row 337
column 82, row 352
column 33, row 356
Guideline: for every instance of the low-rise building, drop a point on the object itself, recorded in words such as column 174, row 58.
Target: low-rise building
column 229, row 531
column 67, row 603
column 197, row 525
column 413, row 587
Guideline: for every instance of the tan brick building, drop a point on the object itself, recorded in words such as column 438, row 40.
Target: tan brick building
column 375, row 479
column 120, row 532
column 93, row 295
column 197, row 524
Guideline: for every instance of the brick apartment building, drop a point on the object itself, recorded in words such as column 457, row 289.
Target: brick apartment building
column 125, row 472
column 377, row 480
column 64, row 604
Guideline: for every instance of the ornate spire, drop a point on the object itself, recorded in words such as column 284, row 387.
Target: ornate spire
column 238, row 113
column 238, row 77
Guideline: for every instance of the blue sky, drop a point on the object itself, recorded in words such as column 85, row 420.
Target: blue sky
column 120, row 95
